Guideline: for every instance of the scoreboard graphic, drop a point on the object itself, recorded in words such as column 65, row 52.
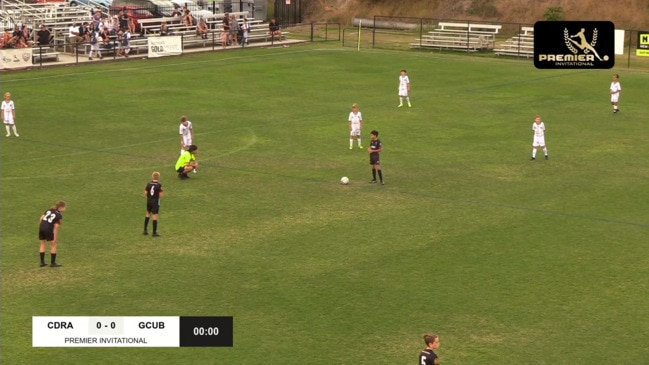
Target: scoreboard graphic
column 132, row 331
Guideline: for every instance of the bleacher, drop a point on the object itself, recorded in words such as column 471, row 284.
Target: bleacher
column 467, row 37
column 58, row 18
column 521, row 45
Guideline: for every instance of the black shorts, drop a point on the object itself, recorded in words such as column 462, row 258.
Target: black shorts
column 375, row 159
column 181, row 169
column 45, row 235
column 153, row 206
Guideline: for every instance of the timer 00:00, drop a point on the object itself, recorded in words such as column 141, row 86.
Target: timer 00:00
column 203, row 331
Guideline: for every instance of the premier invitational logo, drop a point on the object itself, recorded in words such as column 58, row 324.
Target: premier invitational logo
column 574, row 44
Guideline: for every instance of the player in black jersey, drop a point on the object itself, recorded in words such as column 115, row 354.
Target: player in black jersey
column 49, row 231
column 375, row 159
column 153, row 193
column 428, row 356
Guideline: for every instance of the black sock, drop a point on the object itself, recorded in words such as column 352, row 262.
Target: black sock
column 380, row 175
column 155, row 225
column 53, row 257
column 42, row 257
column 146, row 223
column 373, row 174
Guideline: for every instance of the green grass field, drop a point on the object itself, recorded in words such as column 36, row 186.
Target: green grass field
column 510, row 261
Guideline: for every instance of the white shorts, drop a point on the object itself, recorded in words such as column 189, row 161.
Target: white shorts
column 615, row 98
column 9, row 121
column 403, row 92
column 539, row 141
column 187, row 141
column 355, row 133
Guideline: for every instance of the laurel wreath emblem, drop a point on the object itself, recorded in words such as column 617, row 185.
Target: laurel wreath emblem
column 566, row 39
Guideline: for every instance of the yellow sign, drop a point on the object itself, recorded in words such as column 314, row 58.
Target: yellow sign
column 642, row 52
column 644, row 38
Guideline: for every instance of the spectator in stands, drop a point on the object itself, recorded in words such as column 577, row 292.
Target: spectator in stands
column 123, row 18
column 245, row 28
column 27, row 36
column 131, row 24
column 21, row 42
column 188, row 18
column 234, row 30
column 202, row 29
column 96, row 19
column 105, row 39
column 113, row 25
column 84, row 31
column 274, row 29
column 176, row 12
column 43, row 36
column 164, row 29
column 7, row 40
column 93, row 39
column 225, row 35
column 124, row 39
column 17, row 31
column 74, row 36
column 7, row 35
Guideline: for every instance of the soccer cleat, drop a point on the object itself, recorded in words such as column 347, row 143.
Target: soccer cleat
column 533, row 158
column 17, row 135
column 146, row 233
column 409, row 105
column 360, row 147
column 400, row 106
column 350, row 147
column 8, row 135
column 382, row 182
column 155, row 234
column 547, row 157
column 43, row 264
column 373, row 182
column 55, row 264
column 194, row 171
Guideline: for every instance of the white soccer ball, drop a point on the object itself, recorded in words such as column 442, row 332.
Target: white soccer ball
column 344, row 180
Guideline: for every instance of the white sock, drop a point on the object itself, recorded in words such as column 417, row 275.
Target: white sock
column 351, row 142
column 400, row 100
column 8, row 129
column 14, row 128
column 545, row 151
column 359, row 142
column 533, row 152
column 408, row 99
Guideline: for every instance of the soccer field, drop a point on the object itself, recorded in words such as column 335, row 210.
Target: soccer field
column 509, row 261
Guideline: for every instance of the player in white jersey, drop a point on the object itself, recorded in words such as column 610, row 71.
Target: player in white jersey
column 615, row 92
column 186, row 131
column 355, row 125
column 9, row 114
column 404, row 89
column 539, row 137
